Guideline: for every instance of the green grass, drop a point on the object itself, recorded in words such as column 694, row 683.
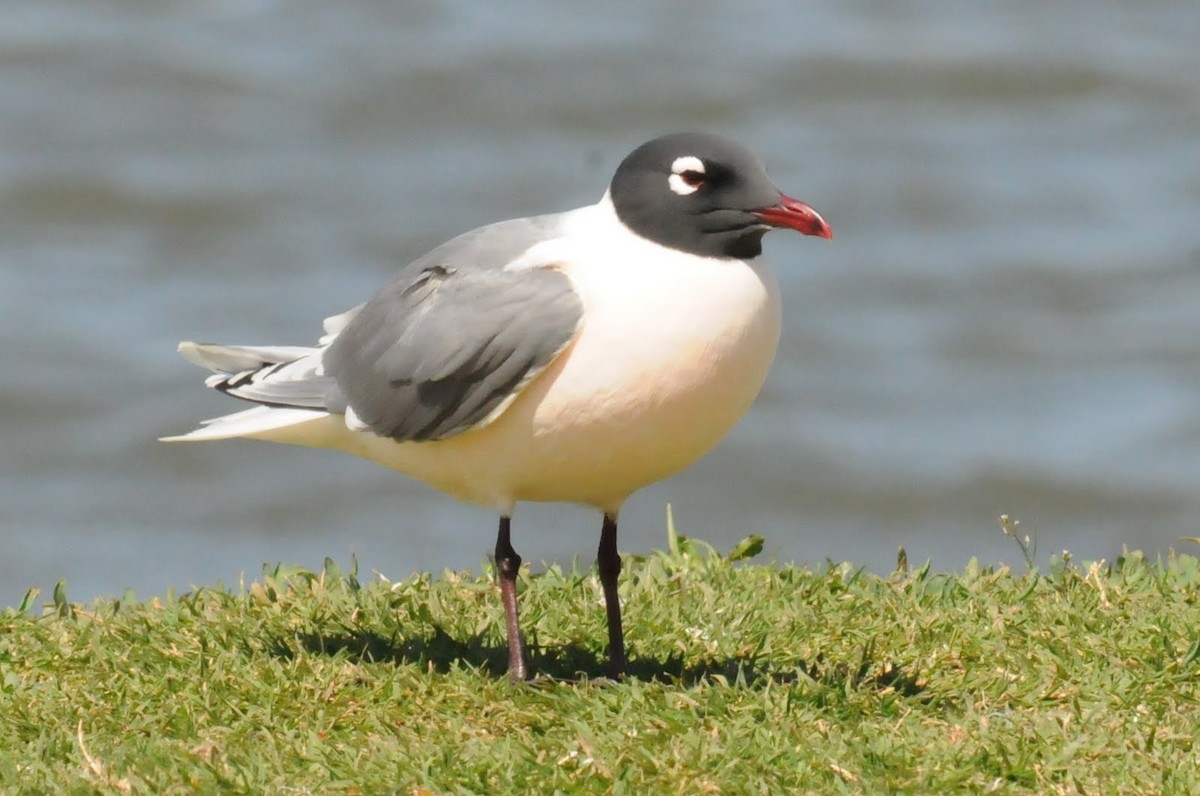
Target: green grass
column 747, row 679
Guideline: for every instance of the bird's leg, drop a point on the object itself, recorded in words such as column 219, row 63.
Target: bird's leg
column 608, row 561
column 508, row 564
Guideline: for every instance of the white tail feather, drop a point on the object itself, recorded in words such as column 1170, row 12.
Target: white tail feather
column 274, row 374
column 261, row 422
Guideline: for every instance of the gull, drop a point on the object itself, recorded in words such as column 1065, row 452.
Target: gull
column 569, row 357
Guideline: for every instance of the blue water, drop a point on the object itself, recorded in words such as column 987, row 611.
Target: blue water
column 1006, row 321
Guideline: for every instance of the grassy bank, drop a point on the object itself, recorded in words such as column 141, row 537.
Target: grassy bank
column 748, row 679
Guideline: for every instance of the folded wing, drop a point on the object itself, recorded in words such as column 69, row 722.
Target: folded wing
column 447, row 351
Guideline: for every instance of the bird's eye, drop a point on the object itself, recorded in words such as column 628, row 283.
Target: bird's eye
column 687, row 175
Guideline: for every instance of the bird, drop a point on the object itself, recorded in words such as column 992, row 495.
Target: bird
column 572, row 357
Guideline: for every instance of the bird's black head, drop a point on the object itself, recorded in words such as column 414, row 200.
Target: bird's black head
column 704, row 194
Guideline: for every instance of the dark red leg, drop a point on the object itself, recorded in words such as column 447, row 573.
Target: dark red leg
column 508, row 564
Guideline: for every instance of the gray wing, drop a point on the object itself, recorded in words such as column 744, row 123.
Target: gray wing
column 454, row 337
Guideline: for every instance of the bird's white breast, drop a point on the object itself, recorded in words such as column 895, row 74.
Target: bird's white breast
column 672, row 351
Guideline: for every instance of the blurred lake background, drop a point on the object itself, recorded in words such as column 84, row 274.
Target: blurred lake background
column 1008, row 320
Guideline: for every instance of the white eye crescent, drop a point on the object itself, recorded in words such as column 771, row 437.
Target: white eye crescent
column 687, row 175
